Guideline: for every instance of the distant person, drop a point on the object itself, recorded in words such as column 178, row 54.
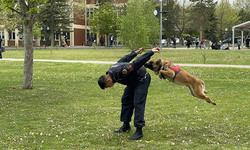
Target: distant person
column 64, row 42
column 225, row 46
column 66, row 37
column 102, row 41
column 90, row 40
column 196, row 42
column 174, row 42
column 212, row 40
column 1, row 42
column 247, row 42
column 203, row 43
column 111, row 40
column 215, row 46
column 239, row 43
column 188, row 42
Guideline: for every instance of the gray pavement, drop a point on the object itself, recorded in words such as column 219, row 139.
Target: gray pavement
column 110, row 62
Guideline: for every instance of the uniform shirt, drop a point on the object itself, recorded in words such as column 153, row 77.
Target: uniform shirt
column 128, row 73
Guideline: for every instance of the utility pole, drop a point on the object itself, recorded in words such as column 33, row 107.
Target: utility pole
column 156, row 12
column 161, row 26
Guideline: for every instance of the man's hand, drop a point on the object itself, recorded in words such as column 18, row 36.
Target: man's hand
column 139, row 51
column 156, row 50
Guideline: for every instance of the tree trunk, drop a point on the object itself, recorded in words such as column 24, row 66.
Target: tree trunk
column 52, row 38
column 28, row 57
column 200, row 33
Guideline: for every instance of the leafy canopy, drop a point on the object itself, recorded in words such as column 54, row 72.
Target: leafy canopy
column 104, row 20
column 139, row 27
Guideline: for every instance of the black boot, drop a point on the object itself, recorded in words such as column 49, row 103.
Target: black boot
column 137, row 135
column 125, row 128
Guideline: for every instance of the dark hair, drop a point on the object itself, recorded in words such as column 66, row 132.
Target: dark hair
column 101, row 82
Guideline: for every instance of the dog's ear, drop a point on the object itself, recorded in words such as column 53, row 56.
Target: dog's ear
column 158, row 61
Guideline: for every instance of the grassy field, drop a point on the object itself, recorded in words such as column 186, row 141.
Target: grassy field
column 67, row 109
column 233, row 57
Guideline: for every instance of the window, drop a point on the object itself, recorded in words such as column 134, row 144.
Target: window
column 20, row 36
column 56, row 36
column 90, row 12
column 12, row 35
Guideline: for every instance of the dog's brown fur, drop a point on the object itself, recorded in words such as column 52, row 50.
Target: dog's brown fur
column 195, row 85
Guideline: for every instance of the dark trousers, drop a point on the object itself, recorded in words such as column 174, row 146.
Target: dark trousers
column 196, row 45
column 238, row 46
column 111, row 43
column 134, row 98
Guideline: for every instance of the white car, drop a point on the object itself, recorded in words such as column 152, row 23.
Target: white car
column 164, row 42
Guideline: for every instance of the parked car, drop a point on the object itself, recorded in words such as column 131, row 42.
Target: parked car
column 164, row 42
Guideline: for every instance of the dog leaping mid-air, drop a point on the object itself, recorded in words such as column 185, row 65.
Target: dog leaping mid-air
column 167, row 70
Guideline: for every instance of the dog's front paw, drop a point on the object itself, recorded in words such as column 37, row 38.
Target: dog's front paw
column 160, row 76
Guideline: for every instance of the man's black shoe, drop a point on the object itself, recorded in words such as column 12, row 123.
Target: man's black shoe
column 137, row 135
column 125, row 128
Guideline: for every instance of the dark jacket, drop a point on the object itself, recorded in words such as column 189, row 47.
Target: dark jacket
column 1, row 43
column 128, row 73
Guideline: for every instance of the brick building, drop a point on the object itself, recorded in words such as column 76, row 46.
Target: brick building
column 80, row 28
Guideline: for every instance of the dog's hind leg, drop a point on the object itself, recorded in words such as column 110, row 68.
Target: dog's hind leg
column 199, row 93
column 191, row 90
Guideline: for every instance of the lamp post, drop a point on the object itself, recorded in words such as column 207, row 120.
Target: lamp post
column 159, row 2
column 161, row 26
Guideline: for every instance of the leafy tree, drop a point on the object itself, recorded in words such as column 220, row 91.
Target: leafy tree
column 9, row 19
column 171, row 19
column 212, row 29
column 139, row 27
column 200, row 14
column 181, row 21
column 29, row 11
column 244, row 9
column 36, row 30
column 57, row 20
column 104, row 20
column 227, row 16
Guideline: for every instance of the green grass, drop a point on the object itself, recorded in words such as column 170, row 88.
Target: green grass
column 233, row 57
column 67, row 109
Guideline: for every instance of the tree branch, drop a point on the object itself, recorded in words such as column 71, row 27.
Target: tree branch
column 45, row 11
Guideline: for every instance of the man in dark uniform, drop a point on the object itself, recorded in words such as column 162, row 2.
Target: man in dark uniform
column 135, row 76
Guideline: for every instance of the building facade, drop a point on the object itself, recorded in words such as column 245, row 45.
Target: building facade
column 80, row 29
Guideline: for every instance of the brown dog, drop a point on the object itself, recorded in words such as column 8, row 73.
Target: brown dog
column 167, row 70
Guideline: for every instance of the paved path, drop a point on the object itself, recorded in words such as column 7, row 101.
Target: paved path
column 110, row 62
